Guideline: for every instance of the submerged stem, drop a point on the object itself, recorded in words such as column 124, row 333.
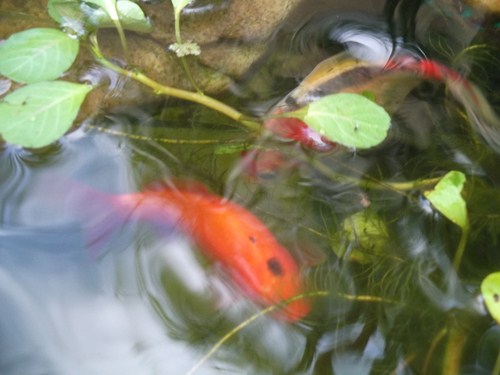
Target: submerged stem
column 372, row 183
column 435, row 342
column 184, row 63
column 251, row 124
column 461, row 248
column 239, row 327
column 453, row 351
column 175, row 141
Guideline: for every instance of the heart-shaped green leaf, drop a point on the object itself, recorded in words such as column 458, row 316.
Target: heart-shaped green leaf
column 490, row 289
column 37, row 55
column 38, row 114
column 349, row 119
column 446, row 198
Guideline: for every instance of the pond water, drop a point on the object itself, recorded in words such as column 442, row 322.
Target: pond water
column 86, row 289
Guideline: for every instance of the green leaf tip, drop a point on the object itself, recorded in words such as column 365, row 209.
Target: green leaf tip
column 490, row 290
column 447, row 199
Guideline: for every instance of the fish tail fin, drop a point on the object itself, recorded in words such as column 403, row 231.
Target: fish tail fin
column 95, row 211
column 484, row 120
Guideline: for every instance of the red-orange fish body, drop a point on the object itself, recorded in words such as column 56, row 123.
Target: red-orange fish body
column 231, row 235
column 390, row 83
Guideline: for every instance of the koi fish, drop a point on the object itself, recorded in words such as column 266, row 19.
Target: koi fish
column 230, row 235
column 480, row 113
column 390, row 83
column 339, row 73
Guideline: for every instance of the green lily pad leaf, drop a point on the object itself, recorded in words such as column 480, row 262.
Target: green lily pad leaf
column 129, row 13
column 37, row 55
column 490, row 289
column 446, row 198
column 38, row 114
column 347, row 119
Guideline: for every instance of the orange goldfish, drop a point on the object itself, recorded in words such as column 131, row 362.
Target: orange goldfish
column 229, row 234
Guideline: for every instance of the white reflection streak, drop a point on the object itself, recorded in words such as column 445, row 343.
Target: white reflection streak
column 54, row 323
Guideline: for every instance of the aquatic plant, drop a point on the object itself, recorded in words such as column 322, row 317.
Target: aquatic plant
column 38, row 113
column 81, row 20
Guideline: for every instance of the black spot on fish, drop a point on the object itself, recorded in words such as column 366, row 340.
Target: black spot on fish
column 252, row 239
column 275, row 266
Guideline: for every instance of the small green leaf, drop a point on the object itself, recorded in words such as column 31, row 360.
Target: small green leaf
column 446, row 198
column 129, row 13
column 490, row 289
column 61, row 9
column 37, row 55
column 38, row 114
column 348, row 119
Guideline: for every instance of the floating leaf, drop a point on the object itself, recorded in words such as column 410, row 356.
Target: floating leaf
column 446, row 198
column 129, row 13
column 37, row 55
column 490, row 289
column 348, row 119
column 61, row 9
column 38, row 114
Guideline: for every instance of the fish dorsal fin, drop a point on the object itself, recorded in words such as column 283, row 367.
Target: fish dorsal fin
column 332, row 67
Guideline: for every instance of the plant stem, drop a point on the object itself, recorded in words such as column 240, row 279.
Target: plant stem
column 435, row 342
column 245, row 323
column 453, row 351
column 461, row 248
column 239, row 142
column 178, row 39
column 121, row 34
column 372, row 183
column 249, row 123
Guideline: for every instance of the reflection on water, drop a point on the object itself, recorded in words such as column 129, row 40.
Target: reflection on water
column 63, row 313
column 144, row 298
column 85, row 289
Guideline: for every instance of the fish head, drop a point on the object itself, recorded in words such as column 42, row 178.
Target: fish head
column 294, row 129
column 268, row 273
